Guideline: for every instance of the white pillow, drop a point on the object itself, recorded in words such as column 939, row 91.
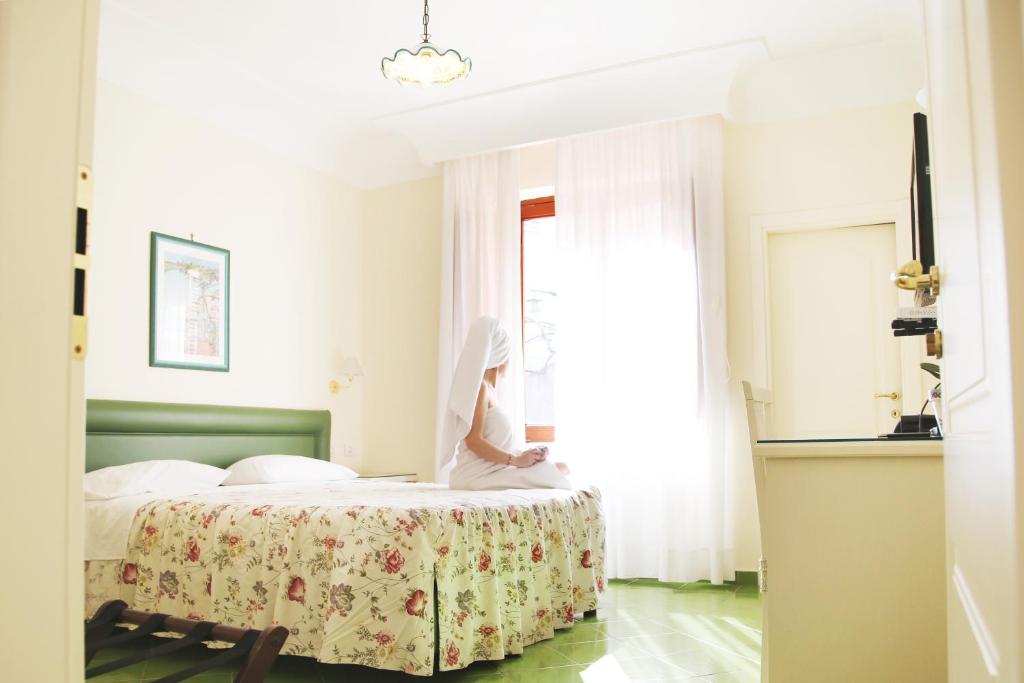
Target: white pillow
column 275, row 469
column 173, row 477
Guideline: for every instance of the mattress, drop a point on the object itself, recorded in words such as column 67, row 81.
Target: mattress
column 359, row 571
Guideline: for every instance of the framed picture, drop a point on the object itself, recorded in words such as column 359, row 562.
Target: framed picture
column 188, row 304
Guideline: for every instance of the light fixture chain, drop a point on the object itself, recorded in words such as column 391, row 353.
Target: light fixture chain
column 426, row 21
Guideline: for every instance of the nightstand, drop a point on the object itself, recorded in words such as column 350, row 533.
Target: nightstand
column 410, row 478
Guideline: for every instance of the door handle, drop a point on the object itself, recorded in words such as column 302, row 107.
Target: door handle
column 892, row 396
column 911, row 276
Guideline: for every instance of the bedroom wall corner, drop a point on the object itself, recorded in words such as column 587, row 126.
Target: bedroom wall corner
column 296, row 283
column 847, row 158
column 401, row 314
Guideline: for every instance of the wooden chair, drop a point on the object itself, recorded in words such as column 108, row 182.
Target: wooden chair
column 258, row 648
column 759, row 402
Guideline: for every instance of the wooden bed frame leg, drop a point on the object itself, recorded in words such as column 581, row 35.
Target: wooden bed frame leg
column 101, row 625
column 262, row 655
column 437, row 629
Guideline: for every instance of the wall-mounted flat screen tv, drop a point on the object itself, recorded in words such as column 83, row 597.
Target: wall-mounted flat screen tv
column 921, row 196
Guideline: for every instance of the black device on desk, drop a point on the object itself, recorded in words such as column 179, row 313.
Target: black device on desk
column 913, row 327
column 913, row 427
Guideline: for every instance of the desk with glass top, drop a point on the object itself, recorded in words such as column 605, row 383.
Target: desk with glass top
column 854, row 546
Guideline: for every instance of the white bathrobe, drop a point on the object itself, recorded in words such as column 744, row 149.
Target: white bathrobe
column 487, row 346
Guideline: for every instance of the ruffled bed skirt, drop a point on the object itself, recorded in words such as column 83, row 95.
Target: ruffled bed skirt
column 364, row 585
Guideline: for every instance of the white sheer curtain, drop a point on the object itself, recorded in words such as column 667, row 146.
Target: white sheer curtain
column 642, row 372
column 480, row 269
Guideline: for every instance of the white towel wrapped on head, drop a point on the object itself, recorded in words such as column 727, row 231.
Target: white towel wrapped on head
column 487, row 346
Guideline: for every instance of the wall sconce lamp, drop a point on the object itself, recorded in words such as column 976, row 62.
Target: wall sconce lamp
column 349, row 370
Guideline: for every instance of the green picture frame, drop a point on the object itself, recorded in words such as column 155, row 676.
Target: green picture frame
column 189, row 304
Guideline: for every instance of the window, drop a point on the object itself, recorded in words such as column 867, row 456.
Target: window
column 539, row 301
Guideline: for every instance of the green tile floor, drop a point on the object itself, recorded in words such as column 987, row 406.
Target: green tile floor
column 643, row 631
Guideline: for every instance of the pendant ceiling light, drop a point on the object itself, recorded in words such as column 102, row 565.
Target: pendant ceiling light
column 426, row 64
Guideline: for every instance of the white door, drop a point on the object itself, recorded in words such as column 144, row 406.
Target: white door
column 832, row 350
column 976, row 92
column 47, row 56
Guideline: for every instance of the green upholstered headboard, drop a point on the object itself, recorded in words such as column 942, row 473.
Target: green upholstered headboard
column 120, row 432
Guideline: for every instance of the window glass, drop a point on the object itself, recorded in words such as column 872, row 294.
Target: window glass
column 540, row 329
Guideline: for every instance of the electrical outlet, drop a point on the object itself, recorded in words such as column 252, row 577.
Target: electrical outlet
column 349, row 452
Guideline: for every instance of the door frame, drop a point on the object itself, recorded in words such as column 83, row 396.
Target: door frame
column 48, row 57
column 763, row 225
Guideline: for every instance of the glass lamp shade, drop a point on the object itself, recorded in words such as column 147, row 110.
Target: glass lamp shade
column 426, row 65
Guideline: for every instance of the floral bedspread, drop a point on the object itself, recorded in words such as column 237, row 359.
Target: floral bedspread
column 350, row 567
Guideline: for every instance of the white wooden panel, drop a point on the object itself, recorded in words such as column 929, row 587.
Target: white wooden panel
column 953, row 195
column 855, row 573
column 832, row 350
column 975, row 76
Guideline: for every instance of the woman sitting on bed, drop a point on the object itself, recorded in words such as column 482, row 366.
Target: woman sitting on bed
column 478, row 433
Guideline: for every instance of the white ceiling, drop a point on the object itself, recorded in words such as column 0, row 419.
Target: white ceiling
column 303, row 77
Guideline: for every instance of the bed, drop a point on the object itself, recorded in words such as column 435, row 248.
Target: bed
column 408, row 577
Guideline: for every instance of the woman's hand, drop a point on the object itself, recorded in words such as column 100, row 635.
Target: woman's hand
column 528, row 458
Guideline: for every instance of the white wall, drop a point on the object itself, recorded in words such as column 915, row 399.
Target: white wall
column 402, row 253
column 537, row 166
column 296, row 281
